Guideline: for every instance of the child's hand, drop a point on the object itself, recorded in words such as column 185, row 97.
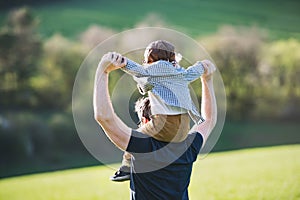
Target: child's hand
column 115, row 61
column 210, row 68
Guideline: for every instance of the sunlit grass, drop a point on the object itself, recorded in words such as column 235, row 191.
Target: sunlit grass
column 261, row 173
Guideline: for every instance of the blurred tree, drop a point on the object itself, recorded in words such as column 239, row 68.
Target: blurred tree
column 95, row 34
column 20, row 48
column 280, row 71
column 26, row 136
column 236, row 52
column 56, row 72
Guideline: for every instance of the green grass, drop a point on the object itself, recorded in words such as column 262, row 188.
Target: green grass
column 194, row 17
column 260, row 173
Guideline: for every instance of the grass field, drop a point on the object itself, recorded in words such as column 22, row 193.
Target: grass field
column 70, row 17
column 271, row 173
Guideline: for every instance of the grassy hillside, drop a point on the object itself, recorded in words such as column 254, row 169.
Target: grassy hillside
column 261, row 173
column 194, row 17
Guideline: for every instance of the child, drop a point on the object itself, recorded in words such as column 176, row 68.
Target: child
column 166, row 84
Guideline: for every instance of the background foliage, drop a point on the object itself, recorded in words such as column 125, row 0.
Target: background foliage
column 256, row 47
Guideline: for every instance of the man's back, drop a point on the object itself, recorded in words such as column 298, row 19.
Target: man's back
column 162, row 170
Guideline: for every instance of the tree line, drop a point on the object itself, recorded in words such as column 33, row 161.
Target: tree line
column 261, row 79
column 258, row 74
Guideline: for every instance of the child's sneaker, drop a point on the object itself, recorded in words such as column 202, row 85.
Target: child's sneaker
column 123, row 174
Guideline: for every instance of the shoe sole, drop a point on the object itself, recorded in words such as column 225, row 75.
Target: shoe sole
column 121, row 179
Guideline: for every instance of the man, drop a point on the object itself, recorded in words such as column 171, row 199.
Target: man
column 160, row 170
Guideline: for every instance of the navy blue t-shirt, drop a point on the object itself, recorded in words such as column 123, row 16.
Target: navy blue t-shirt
column 161, row 170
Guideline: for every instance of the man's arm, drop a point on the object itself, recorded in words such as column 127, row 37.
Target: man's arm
column 208, row 103
column 118, row 132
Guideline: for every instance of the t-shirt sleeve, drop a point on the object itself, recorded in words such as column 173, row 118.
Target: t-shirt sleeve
column 198, row 143
column 139, row 143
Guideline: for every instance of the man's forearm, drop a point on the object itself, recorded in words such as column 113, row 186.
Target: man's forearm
column 101, row 101
column 208, row 108
column 104, row 113
column 208, row 105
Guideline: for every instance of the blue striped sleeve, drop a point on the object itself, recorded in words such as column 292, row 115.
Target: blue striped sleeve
column 193, row 72
column 135, row 69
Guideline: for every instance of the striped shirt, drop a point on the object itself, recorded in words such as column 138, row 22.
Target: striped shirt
column 168, row 82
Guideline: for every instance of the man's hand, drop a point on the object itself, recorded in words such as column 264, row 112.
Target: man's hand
column 112, row 61
column 210, row 68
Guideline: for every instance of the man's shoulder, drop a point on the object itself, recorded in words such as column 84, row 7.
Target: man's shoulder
column 141, row 143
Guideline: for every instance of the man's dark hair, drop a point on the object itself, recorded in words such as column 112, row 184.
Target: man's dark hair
column 143, row 108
